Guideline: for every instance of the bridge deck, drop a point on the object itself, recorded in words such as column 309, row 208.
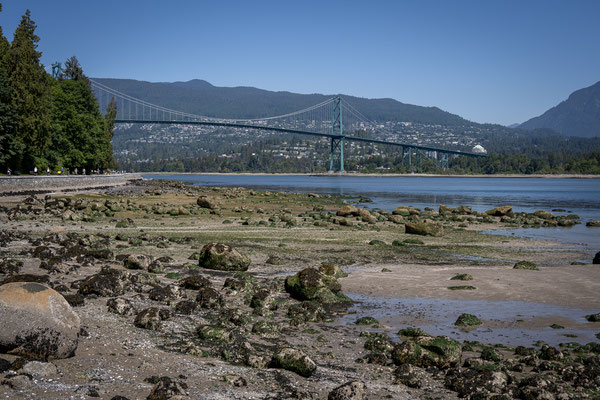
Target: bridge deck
column 271, row 128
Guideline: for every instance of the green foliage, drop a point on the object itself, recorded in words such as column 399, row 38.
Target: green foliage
column 30, row 93
column 46, row 122
column 73, row 70
column 78, row 139
column 8, row 145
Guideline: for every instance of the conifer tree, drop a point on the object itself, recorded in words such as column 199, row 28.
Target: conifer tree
column 30, row 94
column 73, row 70
column 79, row 137
column 8, row 148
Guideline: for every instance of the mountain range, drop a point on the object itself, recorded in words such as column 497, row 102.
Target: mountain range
column 579, row 115
column 200, row 97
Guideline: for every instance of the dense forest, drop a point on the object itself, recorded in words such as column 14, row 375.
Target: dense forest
column 45, row 121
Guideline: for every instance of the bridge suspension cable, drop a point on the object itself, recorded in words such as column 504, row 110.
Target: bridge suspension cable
column 103, row 91
column 323, row 119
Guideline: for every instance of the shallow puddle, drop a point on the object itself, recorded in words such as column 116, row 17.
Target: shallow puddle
column 511, row 323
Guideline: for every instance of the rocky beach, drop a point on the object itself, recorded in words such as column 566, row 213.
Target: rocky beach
column 156, row 289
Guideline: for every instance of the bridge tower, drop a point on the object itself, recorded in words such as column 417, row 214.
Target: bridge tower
column 337, row 142
column 56, row 70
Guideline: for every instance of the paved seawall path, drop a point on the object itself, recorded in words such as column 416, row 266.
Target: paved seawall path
column 52, row 183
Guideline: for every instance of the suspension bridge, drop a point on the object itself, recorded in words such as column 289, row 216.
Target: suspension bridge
column 330, row 119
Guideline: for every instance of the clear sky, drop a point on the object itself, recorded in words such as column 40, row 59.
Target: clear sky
column 487, row 61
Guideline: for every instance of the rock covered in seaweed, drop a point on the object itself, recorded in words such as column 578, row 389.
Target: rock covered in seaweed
column 222, row 257
column 427, row 351
column 293, row 360
column 310, row 284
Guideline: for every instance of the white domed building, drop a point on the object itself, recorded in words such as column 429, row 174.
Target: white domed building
column 479, row 149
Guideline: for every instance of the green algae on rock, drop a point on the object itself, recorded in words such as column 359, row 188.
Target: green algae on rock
column 310, row 284
column 222, row 257
column 293, row 360
column 466, row 319
column 428, row 351
column 412, row 332
column 366, row 321
column 526, row 265
column 462, row 277
column 593, row 317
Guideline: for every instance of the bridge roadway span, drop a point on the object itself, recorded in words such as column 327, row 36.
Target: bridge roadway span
column 328, row 135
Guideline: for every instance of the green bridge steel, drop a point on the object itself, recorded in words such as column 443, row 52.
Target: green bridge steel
column 337, row 139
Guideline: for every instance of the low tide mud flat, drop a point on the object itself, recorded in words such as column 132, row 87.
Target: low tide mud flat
column 229, row 293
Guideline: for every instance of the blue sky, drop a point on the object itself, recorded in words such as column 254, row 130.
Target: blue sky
column 487, row 61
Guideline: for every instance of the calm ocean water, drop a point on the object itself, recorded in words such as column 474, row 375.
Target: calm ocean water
column 578, row 196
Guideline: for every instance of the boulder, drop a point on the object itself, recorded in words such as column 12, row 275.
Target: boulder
column 353, row 390
column 222, row 257
column 463, row 210
column 207, row 202
column 36, row 321
column 594, row 224
column 347, row 211
column 366, row 216
column 151, row 318
column 39, row 369
column 310, row 284
column 593, row 317
column 209, row 298
column 411, row 376
column 481, row 384
column 501, row 211
column 405, row 211
column 167, row 388
column 543, row 214
column 427, row 351
column 596, row 259
column 120, row 306
column 526, row 265
column 137, row 261
column 423, row 229
column 307, row 311
column 293, row 360
column 396, row 219
column 166, row 293
column 10, row 266
column 467, row 320
column 106, row 283
column 445, row 209
column 194, row 282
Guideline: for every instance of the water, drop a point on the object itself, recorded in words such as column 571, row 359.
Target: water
column 511, row 323
column 577, row 196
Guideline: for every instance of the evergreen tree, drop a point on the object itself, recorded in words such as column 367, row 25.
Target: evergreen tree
column 30, row 95
column 79, row 137
column 73, row 70
column 8, row 148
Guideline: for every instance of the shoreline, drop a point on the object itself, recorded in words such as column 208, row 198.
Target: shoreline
column 357, row 174
column 217, row 326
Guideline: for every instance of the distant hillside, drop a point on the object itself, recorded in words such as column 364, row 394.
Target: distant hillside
column 579, row 115
column 200, row 97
